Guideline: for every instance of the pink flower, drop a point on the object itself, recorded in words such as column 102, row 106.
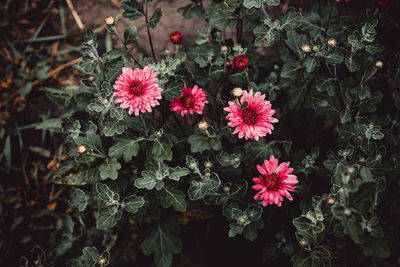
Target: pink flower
column 137, row 90
column 253, row 121
column 275, row 182
column 190, row 100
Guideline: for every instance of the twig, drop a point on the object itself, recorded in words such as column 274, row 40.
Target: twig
column 75, row 15
column 127, row 49
column 57, row 70
column 146, row 4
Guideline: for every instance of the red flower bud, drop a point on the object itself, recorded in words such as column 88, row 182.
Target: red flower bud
column 383, row 3
column 240, row 61
column 176, row 37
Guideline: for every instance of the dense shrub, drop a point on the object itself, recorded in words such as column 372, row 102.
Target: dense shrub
column 150, row 152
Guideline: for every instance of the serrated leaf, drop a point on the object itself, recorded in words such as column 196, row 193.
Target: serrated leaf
column 272, row 2
column 252, row 3
column 132, row 9
column 132, row 203
column 109, row 169
column 200, row 143
column 130, row 34
column 126, row 146
column 174, row 198
column 155, row 18
column 113, row 127
column 191, row 10
column 178, row 172
column 148, row 180
column 105, row 218
column 163, row 242
column 90, row 256
column 79, row 199
column 162, row 149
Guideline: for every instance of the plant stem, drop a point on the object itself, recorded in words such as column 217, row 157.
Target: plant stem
column 127, row 49
column 146, row 3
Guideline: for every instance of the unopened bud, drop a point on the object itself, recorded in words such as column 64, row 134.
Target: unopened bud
column 81, row 149
column 331, row 42
column 109, row 21
column 104, row 101
column 350, row 170
column 330, row 201
column 192, row 165
column 203, row 125
column 91, row 78
column 208, row 164
column 379, row 64
column 226, row 189
column 361, row 160
column 224, row 49
column 347, row 212
column 102, row 261
column 237, row 92
column 306, row 48
column 266, row 38
column 315, row 48
column 302, row 243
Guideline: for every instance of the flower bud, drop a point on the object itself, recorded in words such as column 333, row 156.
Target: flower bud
column 315, row 48
column 361, row 160
column 102, row 261
column 330, row 201
column 306, row 48
column 331, row 42
column 350, row 170
column 81, row 149
column 379, row 64
column 347, row 212
column 226, row 189
column 109, row 21
column 192, row 165
column 237, row 92
column 302, row 243
column 203, row 125
column 208, row 164
column 266, row 38
column 224, row 49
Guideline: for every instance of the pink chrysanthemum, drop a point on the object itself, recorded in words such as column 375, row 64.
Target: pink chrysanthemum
column 253, row 121
column 275, row 182
column 137, row 90
column 191, row 100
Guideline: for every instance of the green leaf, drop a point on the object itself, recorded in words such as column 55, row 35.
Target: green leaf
column 291, row 71
column 202, row 54
column 302, row 260
column 148, row 180
column 197, row 190
column 113, row 55
column 132, row 9
column 155, row 18
column 113, row 127
column 88, row 64
column 109, row 169
column 290, row 20
column 334, row 58
column 178, row 172
column 200, row 143
column 272, row 2
column 132, row 203
column 265, row 35
column 191, row 10
column 79, row 199
column 105, row 193
column 162, row 149
column 368, row 31
column 51, row 125
column 252, row 3
column 310, row 63
column 90, row 256
column 352, row 64
column 295, row 41
column 229, row 160
column 130, row 34
column 163, row 242
column 126, row 146
column 107, row 219
column 174, row 198
column 396, row 99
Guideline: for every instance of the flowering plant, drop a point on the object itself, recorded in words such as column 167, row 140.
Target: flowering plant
column 229, row 130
